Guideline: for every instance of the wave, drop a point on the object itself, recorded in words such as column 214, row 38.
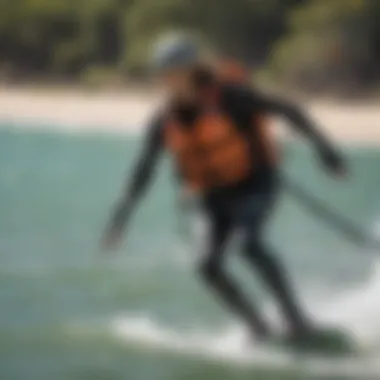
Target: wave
column 231, row 347
column 226, row 345
column 355, row 310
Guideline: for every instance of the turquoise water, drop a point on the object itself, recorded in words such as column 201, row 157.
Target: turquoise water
column 67, row 311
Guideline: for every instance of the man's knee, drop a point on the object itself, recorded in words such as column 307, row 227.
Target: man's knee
column 255, row 250
column 251, row 246
column 210, row 270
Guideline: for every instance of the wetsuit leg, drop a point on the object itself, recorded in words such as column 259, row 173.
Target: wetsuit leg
column 212, row 272
column 254, row 211
column 276, row 278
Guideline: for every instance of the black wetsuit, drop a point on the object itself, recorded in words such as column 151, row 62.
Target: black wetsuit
column 245, row 206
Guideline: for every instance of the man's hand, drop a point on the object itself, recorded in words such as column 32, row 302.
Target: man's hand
column 113, row 235
column 333, row 162
column 112, row 239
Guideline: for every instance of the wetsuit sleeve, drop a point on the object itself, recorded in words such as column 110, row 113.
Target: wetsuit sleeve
column 298, row 119
column 147, row 160
column 142, row 172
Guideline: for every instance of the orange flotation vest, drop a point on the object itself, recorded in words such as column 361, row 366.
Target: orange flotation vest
column 233, row 71
column 214, row 153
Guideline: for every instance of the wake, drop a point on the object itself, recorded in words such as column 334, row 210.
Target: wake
column 231, row 347
column 357, row 311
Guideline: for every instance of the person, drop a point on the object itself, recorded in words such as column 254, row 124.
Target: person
column 216, row 132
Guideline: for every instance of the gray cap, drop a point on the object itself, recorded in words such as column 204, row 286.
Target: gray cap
column 175, row 51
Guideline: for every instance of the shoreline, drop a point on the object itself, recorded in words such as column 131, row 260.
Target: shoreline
column 127, row 112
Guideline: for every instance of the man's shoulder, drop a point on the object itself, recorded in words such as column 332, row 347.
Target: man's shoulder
column 158, row 117
column 239, row 93
column 155, row 125
column 239, row 97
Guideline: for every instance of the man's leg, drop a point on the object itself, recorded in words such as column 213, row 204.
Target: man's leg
column 276, row 278
column 211, row 270
column 254, row 213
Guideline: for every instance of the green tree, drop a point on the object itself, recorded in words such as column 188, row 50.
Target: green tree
column 331, row 42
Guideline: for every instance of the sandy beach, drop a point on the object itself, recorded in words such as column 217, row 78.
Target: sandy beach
column 76, row 111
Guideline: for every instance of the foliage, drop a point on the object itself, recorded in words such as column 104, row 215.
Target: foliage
column 298, row 40
column 330, row 42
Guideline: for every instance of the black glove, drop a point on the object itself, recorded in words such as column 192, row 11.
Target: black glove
column 333, row 161
column 112, row 238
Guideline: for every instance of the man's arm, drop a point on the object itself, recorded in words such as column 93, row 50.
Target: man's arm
column 141, row 178
column 303, row 124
